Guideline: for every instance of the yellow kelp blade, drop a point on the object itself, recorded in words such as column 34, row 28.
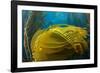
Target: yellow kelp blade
column 58, row 43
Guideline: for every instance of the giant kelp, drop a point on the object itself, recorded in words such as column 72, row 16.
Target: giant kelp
column 36, row 22
column 58, row 43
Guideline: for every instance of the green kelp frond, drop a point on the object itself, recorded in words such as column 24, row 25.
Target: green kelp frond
column 82, row 32
column 58, row 43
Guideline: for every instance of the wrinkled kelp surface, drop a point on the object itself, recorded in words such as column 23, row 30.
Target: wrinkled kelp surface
column 39, row 23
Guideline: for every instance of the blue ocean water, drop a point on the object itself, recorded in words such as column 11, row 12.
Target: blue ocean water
column 52, row 18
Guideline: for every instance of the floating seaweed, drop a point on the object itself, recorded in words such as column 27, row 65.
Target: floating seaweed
column 58, row 43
